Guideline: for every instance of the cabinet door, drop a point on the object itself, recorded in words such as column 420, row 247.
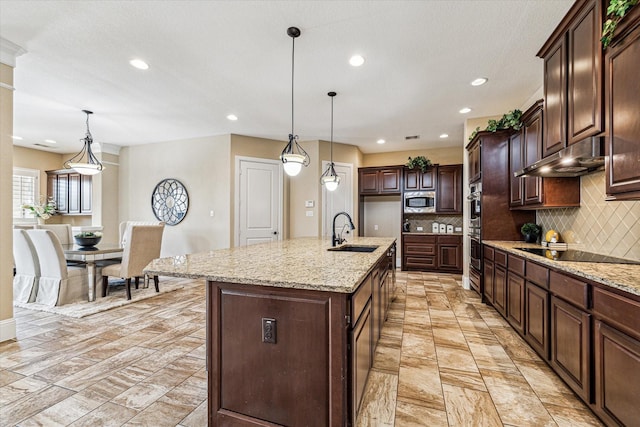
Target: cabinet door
column 368, row 181
column 623, row 128
column 86, row 190
column 500, row 290
column 584, row 100
column 449, row 189
column 389, row 181
column 515, row 301
column 52, row 188
column 555, row 87
column 532, row 148
column 570, row 346
column 617, row 376
column 474, row 162
column 428, row 179
column 376, row 311
column 537, row 319
column 515, row 164
column 361, row 358
column 74, row 193
column 488, row 277
column 449, row 257
column 411, row 180
column 63, row 193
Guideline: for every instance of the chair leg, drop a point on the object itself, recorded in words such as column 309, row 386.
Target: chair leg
column 155, row 282
column 128, row 281
column 105, row 285
column 137, row 279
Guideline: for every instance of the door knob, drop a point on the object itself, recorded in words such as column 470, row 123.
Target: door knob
column 275, row 232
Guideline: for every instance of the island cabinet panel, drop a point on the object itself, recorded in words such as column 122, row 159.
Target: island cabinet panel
column 617, row 376
column 571, row 346
column 361, row 361
column 257, row 375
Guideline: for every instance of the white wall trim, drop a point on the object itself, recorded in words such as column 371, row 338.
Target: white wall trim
column 104, row 147
column 8, row 87
column 7, row 329
column 9, row 51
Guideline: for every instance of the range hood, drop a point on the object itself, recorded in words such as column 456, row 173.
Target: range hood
column 581, row 158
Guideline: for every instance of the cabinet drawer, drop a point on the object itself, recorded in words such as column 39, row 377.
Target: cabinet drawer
column 618, row 310
column 516, row 264
column 488, row 252
column 420, row 262
column 449, row 240
column 474, row 280
column 417, row 249
column 419, row 239
column 500, row 258
column 537, row 274
column 570, row 289
column 359, row 299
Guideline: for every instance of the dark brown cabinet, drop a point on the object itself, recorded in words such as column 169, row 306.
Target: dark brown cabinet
column 500, row 289
column 516, row 153
column 571, row 346
column 622, row 166
column 573, row 93
column 449, row 189
column 432, row 252
column 361, row 340
column 416, row 180
column 515, row 306
column 536, row 319
column 373, row 181
column 475, row 164
column 72, row 192
column 450, row 253
column 488, row 275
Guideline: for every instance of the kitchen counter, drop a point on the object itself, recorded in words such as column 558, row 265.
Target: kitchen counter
column 625, row 277
column 303, row 263
column 422, row 233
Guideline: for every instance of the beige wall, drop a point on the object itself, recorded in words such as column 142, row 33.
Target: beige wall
column 203, row 166
column 443, row 156
column 7, row 323
column 105, row 198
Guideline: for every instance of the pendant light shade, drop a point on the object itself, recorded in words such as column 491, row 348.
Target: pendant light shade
column 330, row 178
column 293, row 156
column 85, row 162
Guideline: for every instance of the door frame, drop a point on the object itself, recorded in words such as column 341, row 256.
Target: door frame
column 236, row 197
column 325, row 197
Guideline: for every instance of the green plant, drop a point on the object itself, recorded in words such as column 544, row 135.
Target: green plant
column 615, row 12
column 42, row 209
column 530, row 228
column 510, row 120
column 88, row 234
column 419, row 162
column 474, row 133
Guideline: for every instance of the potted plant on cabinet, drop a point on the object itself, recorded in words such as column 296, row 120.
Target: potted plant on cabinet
column 420, row 162
column 531, row 232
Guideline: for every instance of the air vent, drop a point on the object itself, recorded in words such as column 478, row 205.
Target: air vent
column 45, row 146
column 412, row 137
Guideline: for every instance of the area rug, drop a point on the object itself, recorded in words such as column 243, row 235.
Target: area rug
column 116, row 298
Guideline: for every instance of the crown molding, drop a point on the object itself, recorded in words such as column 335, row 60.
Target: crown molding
column 108, row 149
column 9, row 51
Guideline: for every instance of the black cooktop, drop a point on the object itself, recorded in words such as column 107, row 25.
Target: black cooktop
column 576, row 256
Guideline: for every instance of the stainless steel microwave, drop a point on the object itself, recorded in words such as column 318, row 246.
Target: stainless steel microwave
column 420, row 202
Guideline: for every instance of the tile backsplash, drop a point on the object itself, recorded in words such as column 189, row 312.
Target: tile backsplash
column 426, row 220
column 609, row 228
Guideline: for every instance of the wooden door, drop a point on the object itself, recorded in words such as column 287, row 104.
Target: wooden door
column 368, row 182
column 62, row 198
column 86, row 193
column 500, row 290
column 537, row 319
column 389, row 180
column 515, row 301
column 74, row 193
column 532, row 147
column 555, row 87
column 411, row 179
column 488, row 277
column 449, row 189
column 515, row 164
column 428, row 179
column 361, row 340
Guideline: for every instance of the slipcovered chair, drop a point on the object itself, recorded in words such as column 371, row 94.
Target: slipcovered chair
column 143, row 245
column 63, row 231
column 59, row 284
column 25, row 281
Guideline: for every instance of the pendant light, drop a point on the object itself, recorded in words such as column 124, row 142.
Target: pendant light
column 330, row 178
column 91, row 165
column 293, row 156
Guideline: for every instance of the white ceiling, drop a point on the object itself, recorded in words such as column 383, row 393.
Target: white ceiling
column 212, row 58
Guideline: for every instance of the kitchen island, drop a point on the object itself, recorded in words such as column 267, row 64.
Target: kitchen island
column 291, row 327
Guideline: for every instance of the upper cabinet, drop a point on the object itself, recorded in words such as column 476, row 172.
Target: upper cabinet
column 622, row 166
column 573, row 77
column 416, row 180
column 71, row 192
column 373, row 181
column 475, row 169
column 449, row 189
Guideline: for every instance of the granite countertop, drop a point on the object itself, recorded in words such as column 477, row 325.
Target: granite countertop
column 625, row 277
column 303, row 263
column 424, row 233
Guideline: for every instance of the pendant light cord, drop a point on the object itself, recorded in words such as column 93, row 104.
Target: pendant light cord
column 331, row 145
column 293, row 53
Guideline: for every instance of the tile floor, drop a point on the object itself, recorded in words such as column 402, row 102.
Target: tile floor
column 444, row 359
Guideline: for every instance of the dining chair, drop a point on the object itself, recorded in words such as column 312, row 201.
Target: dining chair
column 25, row 281
column 62, row 231
column 125, row 229
column 143, row 245
column 59, row 284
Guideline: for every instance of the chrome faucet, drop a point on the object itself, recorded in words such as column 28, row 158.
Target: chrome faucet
column 337, row 240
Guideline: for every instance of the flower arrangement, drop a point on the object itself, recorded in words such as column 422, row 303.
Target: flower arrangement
column 42, row 209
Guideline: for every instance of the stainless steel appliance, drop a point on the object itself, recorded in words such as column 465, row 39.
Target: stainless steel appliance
column 475, row 246
column 420, row 202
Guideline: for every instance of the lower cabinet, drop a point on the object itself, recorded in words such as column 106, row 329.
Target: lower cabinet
column 428, row 252
column 571, row 346
column 515, row 301
column 500, row 290
column 488, row 276
column 361, row 340
column 537, row 319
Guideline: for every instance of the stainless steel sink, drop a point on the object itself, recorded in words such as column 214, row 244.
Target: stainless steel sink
column 353, row 248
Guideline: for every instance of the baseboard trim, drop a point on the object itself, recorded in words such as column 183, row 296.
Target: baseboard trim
column 465, row 282
column 7, row 329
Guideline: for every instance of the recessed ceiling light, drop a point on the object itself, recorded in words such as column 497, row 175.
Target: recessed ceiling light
column 16, row 137
column 232, row 117
column 444, row 135
column 545, row 169
column 50, row 141
column 139, row 64
column 356, row 60
column 479, row 81
column 465, row 110
column 567, row 161
column 381, row 141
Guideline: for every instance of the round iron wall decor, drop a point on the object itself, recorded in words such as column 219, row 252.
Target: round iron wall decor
column 170, row 201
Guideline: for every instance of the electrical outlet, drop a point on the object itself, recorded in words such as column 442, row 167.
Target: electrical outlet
column 309, row 213
column 268, row 330
column 419, row 229
column 375, row 227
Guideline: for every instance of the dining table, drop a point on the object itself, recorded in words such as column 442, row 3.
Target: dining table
column 90, row 255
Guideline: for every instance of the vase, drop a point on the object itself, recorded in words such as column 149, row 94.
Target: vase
column 531, row 238
column 41, row 221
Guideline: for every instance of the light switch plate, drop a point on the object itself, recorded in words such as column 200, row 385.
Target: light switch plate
column 309, row 203
column 309, row 213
